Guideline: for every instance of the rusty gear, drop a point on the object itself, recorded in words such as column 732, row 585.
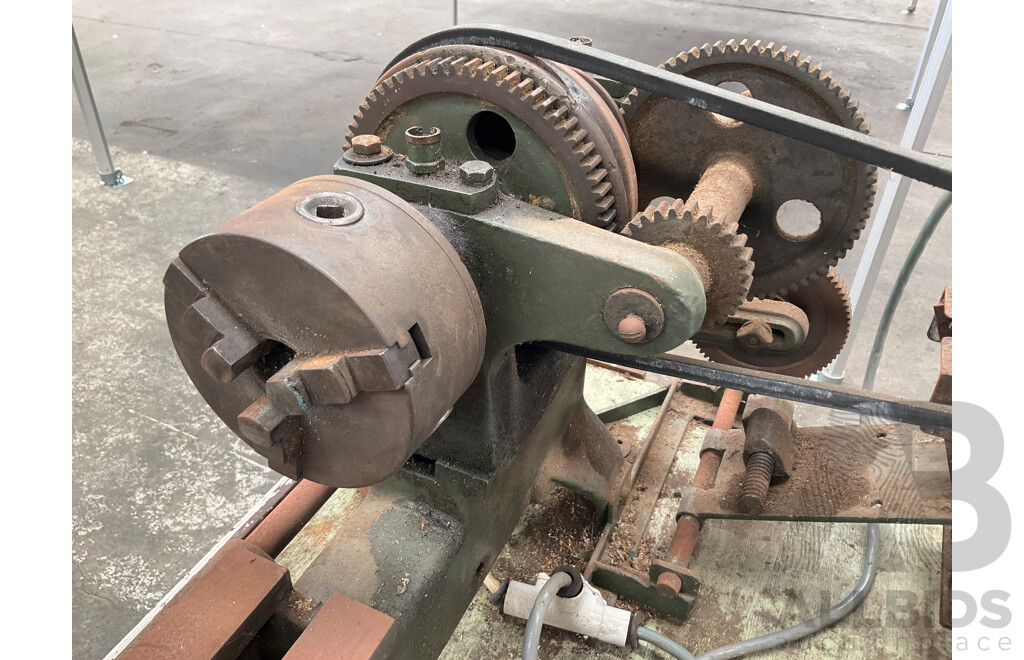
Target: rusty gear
column 714, row 249
column 584, row 145
column 827, row 307
column 674, row 142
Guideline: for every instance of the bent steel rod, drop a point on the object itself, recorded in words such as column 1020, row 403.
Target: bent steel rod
column 831, row 137
column 875, row 404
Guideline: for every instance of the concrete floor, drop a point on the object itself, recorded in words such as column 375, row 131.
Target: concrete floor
column 215, row 106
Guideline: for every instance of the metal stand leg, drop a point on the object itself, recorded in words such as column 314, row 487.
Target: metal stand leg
column 110, row 175
column 926, row 53
column 919, row 124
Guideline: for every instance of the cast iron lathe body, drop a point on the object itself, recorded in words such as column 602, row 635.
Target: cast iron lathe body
column 393, row 325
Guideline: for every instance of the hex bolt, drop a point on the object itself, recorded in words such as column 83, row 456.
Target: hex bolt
column 632, row 329
column 754, row 335
column 760, row 467
column 366, row 145
column 476, row 172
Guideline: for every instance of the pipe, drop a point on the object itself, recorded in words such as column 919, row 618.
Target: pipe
column 531, row 640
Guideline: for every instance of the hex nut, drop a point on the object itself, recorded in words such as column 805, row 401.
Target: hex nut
column 754, row 335
column 476, row 172
column 366, row 145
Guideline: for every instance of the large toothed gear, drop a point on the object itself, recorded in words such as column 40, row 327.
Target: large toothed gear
column 552, row 138
column 715, row 250
column 827, row 306
column 673, row 143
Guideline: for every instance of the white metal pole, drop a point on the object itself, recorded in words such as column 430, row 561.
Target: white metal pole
column 109, row 174
column 926, row 54
column 922, row 116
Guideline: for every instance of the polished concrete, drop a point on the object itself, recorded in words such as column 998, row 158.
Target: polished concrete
column 212, row 107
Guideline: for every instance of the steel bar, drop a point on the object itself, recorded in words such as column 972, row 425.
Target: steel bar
column 875, row 404
column 710, row 461
column 110, row 175
column 846, row 142
column 919, row 124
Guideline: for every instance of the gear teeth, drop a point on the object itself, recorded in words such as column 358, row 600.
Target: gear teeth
column 531, row 91
column 813, row 75
column 827, row 304
column 688, row 229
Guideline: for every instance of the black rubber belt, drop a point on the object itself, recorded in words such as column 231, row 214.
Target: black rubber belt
column 874, row 404
column 846, row 142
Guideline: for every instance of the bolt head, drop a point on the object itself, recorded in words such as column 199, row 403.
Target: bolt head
column 476, row 172
column 754, row 335
column 366, row 145
column 632, row 329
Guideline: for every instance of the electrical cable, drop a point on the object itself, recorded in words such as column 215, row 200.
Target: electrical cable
column 664, row 643
column 818, row 623
column 547, row 593
column 901, row 283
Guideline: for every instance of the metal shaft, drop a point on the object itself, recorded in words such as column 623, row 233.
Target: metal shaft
column 725, row 188
column 711, row 460
column 289, row 516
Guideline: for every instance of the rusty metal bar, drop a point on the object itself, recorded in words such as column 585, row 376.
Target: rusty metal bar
column 710, row 461
column 270, row 501
column 684, row 540
column 289, row 516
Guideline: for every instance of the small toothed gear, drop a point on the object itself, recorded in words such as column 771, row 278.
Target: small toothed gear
column 672, row 142
column 715, row 250
column 825, row 302
column 569, row 152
